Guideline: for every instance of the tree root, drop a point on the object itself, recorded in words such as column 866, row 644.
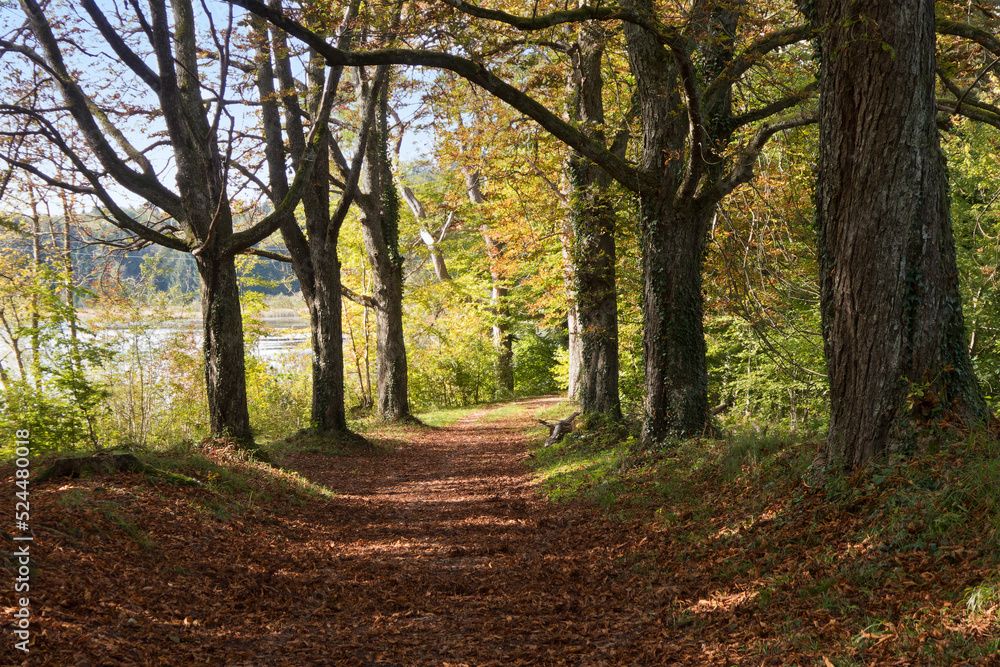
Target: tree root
column 108, row 463
column 559, row 429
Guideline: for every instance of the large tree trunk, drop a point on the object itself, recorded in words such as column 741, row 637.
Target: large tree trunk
column 325, row 317
column 593, row 219
column 673, row 238
column 892, row 314
column 225, row 375
column 317, row 267
column 380, row 230
column 674, row 339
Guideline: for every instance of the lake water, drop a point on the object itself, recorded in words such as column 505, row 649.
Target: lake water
column 288, row 334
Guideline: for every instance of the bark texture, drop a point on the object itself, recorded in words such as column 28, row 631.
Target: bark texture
column 673, row 339
column 318, row 259
column 225, row 373
column 327, row 338
column 892, row 314
column 380, row 231
column 677, row 198
column 593, row 219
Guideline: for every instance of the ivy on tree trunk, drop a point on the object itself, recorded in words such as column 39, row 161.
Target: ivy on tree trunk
column 595, row 311
column 380, row 232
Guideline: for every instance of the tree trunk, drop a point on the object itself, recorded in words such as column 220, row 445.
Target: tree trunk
column 673, row 239
column 674, row 340
column 313, row 253
column 892, row 314
column 572, row 312
column 503, row 339
column 596, row 292
column 390, row 361
column 36, row 315
column 433, row 247
column 326, row 327
column 593, row 219
column 225, row 376
column 380, row 230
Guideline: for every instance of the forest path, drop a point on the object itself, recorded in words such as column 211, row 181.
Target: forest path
column 435, row 550
column 442, row 553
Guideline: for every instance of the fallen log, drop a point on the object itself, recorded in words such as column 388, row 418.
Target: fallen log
column 559, row 429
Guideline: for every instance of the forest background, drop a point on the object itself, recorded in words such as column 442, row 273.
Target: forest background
column 482, row 230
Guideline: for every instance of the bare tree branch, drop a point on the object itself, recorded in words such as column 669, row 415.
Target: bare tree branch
column 474, row 72
column 742, row 172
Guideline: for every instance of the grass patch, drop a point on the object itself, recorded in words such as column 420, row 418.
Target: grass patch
column 446, row 416
column 493, row 412
column 232, row 491
column 137, row 534
column 588, row 462
column 73, row 498
column 502, row 413
column 233, row 476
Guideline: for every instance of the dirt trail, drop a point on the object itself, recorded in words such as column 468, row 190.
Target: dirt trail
column 449, row 556
column 439, row 552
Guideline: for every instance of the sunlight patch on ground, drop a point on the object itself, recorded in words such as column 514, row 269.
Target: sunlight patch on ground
column 727, row 531
column 723, row 602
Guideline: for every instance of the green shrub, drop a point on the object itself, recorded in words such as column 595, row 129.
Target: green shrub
column 54, row 393
column 535, row 364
